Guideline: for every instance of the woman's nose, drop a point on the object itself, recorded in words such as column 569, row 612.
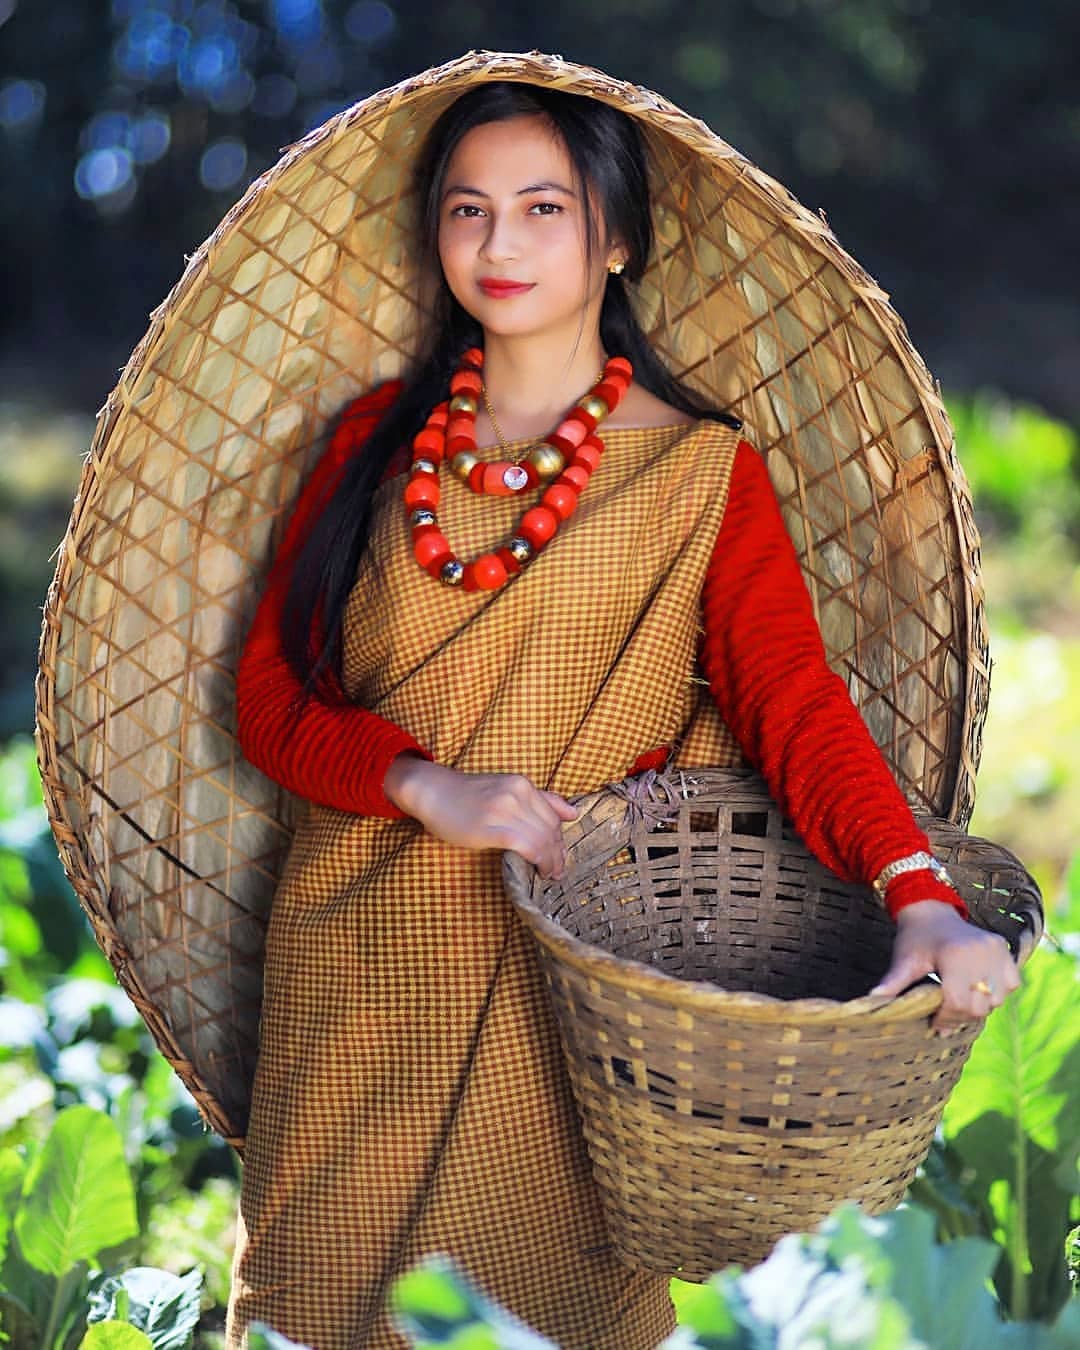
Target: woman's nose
column 500, row 240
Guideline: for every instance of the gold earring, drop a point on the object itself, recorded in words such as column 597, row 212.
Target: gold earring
column 616, row 267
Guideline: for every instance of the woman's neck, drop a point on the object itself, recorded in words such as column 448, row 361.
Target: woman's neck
column 532, row 383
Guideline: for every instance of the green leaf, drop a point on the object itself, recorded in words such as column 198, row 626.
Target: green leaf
column 434, row 1305
column 262, row 1337
column 942, row 1287
column 78, row 1198
column 704, row 1309
column 12, row 1171
column 1014, row 1121
column 432, row 1293
column 114, row 1336
column 163, row 1305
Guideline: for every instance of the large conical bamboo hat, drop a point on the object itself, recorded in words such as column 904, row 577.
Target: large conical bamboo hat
column 302, row 298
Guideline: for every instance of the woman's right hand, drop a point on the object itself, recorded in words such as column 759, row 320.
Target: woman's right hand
column 482, row 810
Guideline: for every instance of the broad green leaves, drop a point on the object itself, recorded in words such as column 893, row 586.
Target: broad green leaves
column 1013, row 1125
column 164, row 1307
column 78, row 1199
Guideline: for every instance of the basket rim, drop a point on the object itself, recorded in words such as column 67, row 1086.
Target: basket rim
column 638, row 977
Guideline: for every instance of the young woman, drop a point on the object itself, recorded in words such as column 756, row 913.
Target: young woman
column 510, row 556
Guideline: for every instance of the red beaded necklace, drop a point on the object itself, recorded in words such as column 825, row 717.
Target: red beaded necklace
column 568, row 455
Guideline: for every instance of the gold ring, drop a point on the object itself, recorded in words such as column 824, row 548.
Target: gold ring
column 983, row 987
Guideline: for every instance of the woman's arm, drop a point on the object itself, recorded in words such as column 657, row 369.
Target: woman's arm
column 763, row 656
column 329, row 750
column 764, row 659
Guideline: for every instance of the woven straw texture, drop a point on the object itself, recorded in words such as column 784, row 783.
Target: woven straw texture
column 699, row 959
column 304, row 297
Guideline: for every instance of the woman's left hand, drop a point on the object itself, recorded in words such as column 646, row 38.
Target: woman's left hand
column 975, row 967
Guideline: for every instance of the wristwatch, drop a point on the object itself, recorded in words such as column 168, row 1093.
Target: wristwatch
column 914, row 862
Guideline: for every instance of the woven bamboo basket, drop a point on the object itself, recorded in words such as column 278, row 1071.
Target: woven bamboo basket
column 710, row 980
column 306, row 296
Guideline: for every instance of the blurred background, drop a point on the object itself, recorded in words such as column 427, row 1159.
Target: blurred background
column 942, row 143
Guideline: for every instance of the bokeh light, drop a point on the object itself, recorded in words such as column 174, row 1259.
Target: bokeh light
column 149, row 138
column 297, row 21
column 369, row 21
column 223, row 164
column 22, row 103
column 106, row 178
column 275, row 96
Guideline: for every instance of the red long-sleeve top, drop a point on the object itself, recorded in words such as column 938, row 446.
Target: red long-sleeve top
column 761, row 652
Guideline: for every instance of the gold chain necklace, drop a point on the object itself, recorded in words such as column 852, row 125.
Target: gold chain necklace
column 520, row 455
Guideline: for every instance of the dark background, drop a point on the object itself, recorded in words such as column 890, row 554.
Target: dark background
column 942, row 141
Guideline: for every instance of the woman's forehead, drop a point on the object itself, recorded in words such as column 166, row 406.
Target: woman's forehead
column 527, row 150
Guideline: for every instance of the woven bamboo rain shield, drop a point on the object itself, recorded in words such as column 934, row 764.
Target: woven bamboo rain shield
column 706, row 974
column 302, row 298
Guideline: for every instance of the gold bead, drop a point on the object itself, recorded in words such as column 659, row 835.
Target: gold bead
column 452, row 572
column 595, row 407
column 546, row 460
column 422, row 516
column 424, row 466
column 462, row 464
column 521, row 549
column 463, row 403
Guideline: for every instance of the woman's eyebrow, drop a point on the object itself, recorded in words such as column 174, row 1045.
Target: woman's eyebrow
column 521, row 192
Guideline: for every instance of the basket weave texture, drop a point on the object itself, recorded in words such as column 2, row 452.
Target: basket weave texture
column 304, row 297
column 709, row 979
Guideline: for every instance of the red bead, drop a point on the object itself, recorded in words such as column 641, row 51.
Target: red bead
column 513, row 567
column 436, row 565
column 466, row 382
column 587, row 457
column 429, row 442
column 455, row 445
column 439, row 415
column 538, row 525
column 611, row 393
column 430, row 546
column 561, row 443
column 587, row 420
column 423, row 490
column 573, row 430
column 461, row 424
column 575, row 475
column 468, row 580
column 621, row 364
column 475, row 479
column 492, row 483
column 560, row 498
column 489, row 572
column 419, row 531
column 474, row 357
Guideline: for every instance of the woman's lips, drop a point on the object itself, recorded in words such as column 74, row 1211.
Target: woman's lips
column 501, row 289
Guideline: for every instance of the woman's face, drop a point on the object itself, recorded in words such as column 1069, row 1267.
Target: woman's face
column 509, row 212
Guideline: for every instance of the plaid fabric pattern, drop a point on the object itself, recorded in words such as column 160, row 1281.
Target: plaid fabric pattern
column 410, row 1095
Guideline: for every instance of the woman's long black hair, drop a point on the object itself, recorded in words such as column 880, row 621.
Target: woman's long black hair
column 608, row 155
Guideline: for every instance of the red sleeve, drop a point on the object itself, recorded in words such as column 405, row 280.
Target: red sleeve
column 332, row 751
column 764, row 659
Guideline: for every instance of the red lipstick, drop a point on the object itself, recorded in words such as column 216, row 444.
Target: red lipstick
column 498, row 288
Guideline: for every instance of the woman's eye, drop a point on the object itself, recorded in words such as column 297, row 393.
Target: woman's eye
column 546, row 208
column 466, row 207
